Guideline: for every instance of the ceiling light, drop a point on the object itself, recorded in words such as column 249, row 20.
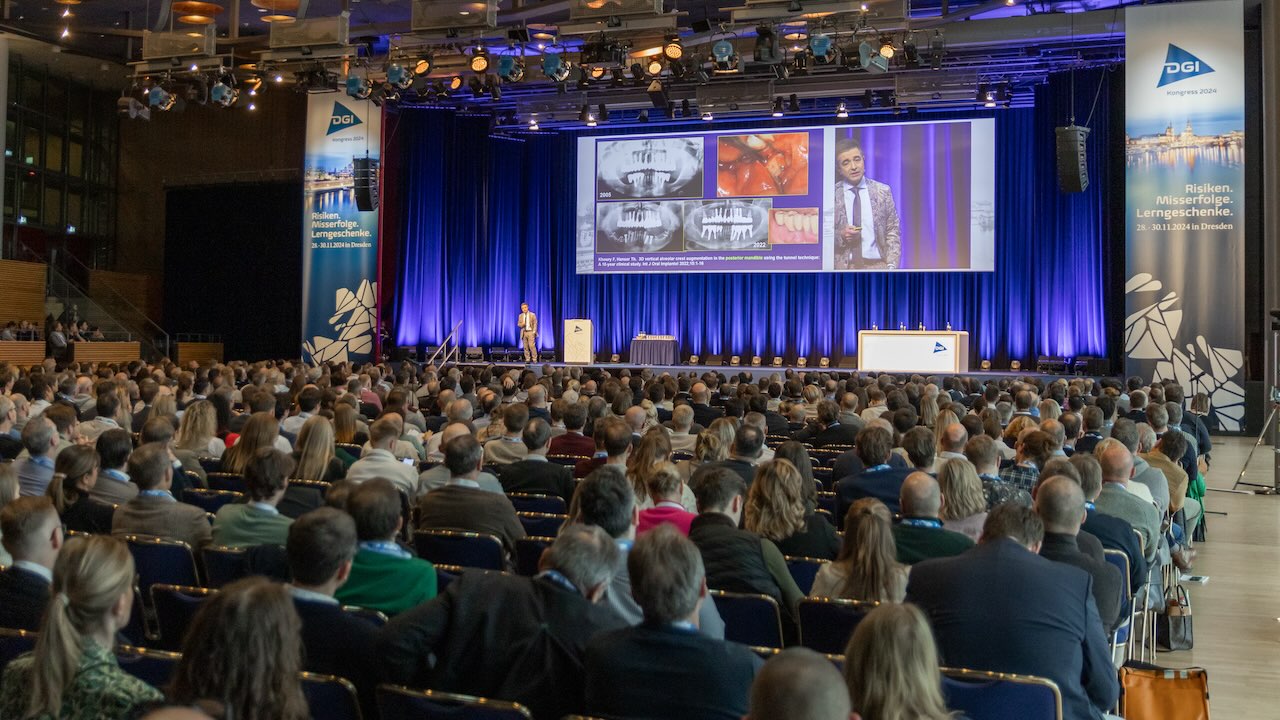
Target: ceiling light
column 555, row 67
column 767, row 45
column 511, row 68
column 842, row 110
column 820, row 46
column 989, row 100
column 358, row 87
column 423, row 66
column 533, row 122
column 886, row 47
column 642, row 116
column 777, row 107
column 597, row 72
column 725, row 56
column 160, row 98
column 278, row 78
column 870, row 59
column 66, row 33
column 476, row 84
column 480, row 61
column 224, row 93
column 399, row 76
column 707, row 116
column 455, row 83
column 654, row 68
column 673, row 50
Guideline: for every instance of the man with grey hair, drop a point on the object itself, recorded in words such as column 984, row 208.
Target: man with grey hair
column 682, row 440
column 799, row 684
column 34, row 472
column 710, row 679
column 437, row 477
column 517, row 638
column 10, row 435
column 1148, row 482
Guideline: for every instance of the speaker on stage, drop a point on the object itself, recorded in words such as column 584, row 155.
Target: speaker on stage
column 366, row 183
column 1073, row 166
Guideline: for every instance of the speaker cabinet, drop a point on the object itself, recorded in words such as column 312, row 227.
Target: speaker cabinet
column 1073, row 166
column 366, row 184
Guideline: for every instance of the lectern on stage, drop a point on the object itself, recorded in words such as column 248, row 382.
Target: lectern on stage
column 578, row 341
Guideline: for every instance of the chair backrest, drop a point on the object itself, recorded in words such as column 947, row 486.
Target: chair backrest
column 567, row 460
column 804, row 570
column 162, row 561
column 373, row 617
column 210, row 500
column 222, row 565
column 529, row 552
column 401, row 703
column 538, row 503
column 154, row 667
column 826, row 624
column 175, row 607
column 749, row 619
column 227, row 481
column 1000, row 696
column 352, row 449
column 14, row 643
column 1121, row 561
column 827, row 501
column 453, row 547
column 446, row 574
column 542, row 524
column 210, row 464
column 320, row 485
column 330, row 697
column 136, row 630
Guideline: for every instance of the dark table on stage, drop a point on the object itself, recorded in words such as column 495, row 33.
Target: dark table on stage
column 654, row 351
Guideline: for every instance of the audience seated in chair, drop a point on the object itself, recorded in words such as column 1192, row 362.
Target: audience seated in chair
column 1060, row 505
column 665, row 490
column 776, row 510
column 115, row 486
column 919, row 534
column 1112, row 532
column 32, row 535
column 534, row 473
column 799, row 684
column 462, row 505
column 40, row 439
column 891, row 666
column 380, row 461
column 877, row 479
column 384, row 576
column 75, row 476
column 867, row 567
column 155, row 511
column 258, row 521
column 508, row 447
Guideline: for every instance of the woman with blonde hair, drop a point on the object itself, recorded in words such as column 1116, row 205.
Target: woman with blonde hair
column 75, row 472
column 259, row 432
column 891, row 667
column 867, row 566
column 964, row 507
column 653, row 449
column 1049, row 409
column 725, row 428
column 708, row 448
column 199, row 430
column 243, row 649
column 164, row 406
column 1015, row 428
column 940, row 423
column 929, row 411
column 776, row 510
column 72, row 672
column 314, row 452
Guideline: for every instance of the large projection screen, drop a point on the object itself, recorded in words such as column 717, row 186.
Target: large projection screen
column 888, row 197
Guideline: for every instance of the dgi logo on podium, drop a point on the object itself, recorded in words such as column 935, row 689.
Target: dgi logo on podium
column 1181, row 65
column 342, row 118
column 939, row 347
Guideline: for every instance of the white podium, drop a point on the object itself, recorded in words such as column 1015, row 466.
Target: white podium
column 578, row 341
column 913, row 351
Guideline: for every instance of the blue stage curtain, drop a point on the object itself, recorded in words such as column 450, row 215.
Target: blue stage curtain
column 487, row 221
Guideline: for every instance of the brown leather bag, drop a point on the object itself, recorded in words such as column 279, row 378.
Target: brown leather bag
column 1155, row 693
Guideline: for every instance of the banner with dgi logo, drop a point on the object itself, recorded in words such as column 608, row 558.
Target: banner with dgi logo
column 1184, row 199
column 340, row 229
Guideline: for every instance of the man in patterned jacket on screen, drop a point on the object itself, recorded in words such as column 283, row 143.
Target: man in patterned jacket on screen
column 866, row 219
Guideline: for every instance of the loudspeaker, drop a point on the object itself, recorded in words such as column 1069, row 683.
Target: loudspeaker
column 366, row 184
column 1073, row 167
column 715, row 360
column 848, row 362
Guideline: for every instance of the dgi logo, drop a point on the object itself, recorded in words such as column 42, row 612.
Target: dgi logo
column 1181, row 65
column 342, row 119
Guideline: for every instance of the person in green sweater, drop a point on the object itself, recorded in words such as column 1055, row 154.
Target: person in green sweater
column 384, row 576
column 257, row 522
column 919, row 534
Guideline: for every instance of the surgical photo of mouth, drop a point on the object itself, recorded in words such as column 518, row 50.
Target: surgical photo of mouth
column 727, row 224
column 770, row 164
column 655, row 168
column 794, row 226
column 639, row 227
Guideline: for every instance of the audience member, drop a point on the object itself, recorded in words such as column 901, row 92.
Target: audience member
column 257, row 522
column 506, row 636
column 381, row 462
column 1116, row 500
column 744, row 453
column 10, row 434
column 776, row 510
column 75, row 475
column 508, row 447
column 799, row 684
column 1112, row 532
column 613, row 446
column 573, row 442
column 919, row 534
column 108, row 405
column 155, row 511
column 244, row 649
column 665, row 489
column 462, row 505
column 117, row 487
column 39, row 438
column 965, row 509
column 32, row 536
column 72, row 673
column 384, row 576
column 867, row 567
column 1061, row 507
column 877, row 479
column 1033, row 450
column 891, row 667
column 534, row 473
column 8, row 493
column 314, row 453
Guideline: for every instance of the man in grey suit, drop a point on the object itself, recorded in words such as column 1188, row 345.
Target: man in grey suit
column 155, row 511
column 528, row 323
column 866, row 218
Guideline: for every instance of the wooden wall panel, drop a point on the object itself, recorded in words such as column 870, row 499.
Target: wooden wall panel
column 142, row 291
column 199, row 352
column 22, row 287
column 108, row 352
column 22, row 353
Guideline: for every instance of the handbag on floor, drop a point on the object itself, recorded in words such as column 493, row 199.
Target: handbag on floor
column 1174, row 629
column 1150, row 692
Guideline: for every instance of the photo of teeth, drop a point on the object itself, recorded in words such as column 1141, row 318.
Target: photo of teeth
column 655, row 168
column 765, row 164
column 794, row 226
column 727, row 224
column 639, row 227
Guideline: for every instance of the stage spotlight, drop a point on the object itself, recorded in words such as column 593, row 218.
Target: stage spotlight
column 597, row 72
column 685, row 111
column 793, row 103
column 476, row 84
column 842, row 110
column 777, row 107
column 870, row 58
column 824, row 362
column 821, row 48
column 673, row 50
column 693, row 359
column 533, row 122
column 989, row 99
column 359, row 88
column 677, row 69
column 511, row 68
column 802, row 362
column 615, row 358
column 886, row 47
column 585, row 113
column 985, row 365
column 780, row 71
column 399, row 76
column 642, row 116
column 707, row 116
column 494, row 86
column 937, row 50
column 555, row 67
column 161, row 99
column 756, row 361
column 735, row 361
column 767, row 46
column 423, row 66
column 800, row 63
column 224, row 92
column 910, row 53
column 658, row 95
column 777, row 361
column 602, row 112
column 725, row 56
column 1015, row 365
column 455, row 83
column 654, row 68
column 479, row 62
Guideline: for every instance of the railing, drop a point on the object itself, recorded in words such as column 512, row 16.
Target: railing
column 197, row 338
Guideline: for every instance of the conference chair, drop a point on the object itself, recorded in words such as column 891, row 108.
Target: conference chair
column 827, row 501
column 538, row 503
column 446, row 574
column 175, row 608
column 320, row 485
column 1120, row 638
column 982, row 695
column 330, row 697
column 210, row 464
column 352, row 449
column 823, row 476
column 764, row 653
column 454, row 547
column 804, row 570
column 228, row 481
column 749, row 619
column 222, row 565
column 567, row 460
column 210, row 501
column 14, row 643
column 826, row 624
column 529, row 552
column 136, row 630
column 542, row 524
column 680, row 455
column 154, row 667
column 825, row 456
column 373, row 617
column 396, row 702
column 193, row 478
column 161, row 561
